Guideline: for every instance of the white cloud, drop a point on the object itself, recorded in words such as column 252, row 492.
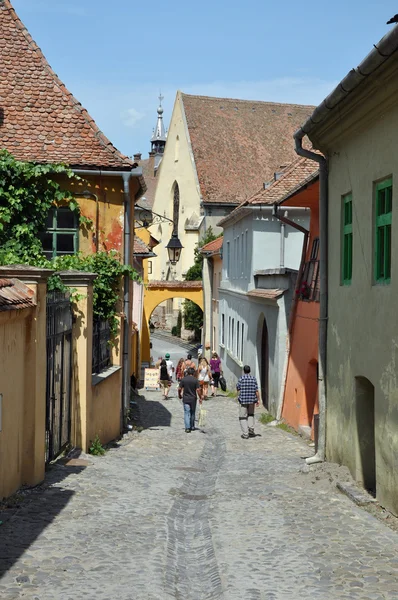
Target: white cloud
column 131, row 116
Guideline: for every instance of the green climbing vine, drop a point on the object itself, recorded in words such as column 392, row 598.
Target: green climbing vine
column 27, row 193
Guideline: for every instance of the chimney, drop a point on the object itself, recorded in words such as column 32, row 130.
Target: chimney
column 152, row 169
column 137, row 157
column 278, row 174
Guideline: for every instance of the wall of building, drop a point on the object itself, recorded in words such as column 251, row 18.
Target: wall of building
column 363, row 326
column 176, row 166
column 105, row 407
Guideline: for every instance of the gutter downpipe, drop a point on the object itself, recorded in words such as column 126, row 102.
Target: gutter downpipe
column 323, row 289
column 306, row 234
column 127, row 313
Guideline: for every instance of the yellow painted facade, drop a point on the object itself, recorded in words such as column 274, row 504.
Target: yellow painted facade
column 177, row 166
column 23, row 389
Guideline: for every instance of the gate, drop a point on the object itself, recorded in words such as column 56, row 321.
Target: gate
column 59, row 373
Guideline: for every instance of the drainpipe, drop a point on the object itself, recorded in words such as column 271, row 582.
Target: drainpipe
column 287, row 221
column 323, row 288
column 282, row 257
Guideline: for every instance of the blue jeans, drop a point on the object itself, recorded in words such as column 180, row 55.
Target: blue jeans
column 189, row 415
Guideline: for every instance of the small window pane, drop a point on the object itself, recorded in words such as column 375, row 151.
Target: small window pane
column 50, row 219
column 65, row 219
column 388, row 197
column 66, row 242
column 47, row 241
column 387, row 274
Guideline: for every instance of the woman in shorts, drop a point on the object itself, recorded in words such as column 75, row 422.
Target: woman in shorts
column 164, row 378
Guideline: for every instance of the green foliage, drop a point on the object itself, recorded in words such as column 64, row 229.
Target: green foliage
column 194, row 273
column 27, row 192
column 179, row 323
column 96, row 447
column 193, row 317
column 266, row 418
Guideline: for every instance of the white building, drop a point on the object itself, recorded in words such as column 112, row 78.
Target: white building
column 261, row 258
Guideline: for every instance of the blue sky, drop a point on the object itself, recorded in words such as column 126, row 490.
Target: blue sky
column 116, row 56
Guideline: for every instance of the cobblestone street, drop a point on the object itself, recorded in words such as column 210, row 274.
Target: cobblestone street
column 200, row 516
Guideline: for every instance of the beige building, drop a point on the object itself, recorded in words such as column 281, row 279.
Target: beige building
column 356, row 128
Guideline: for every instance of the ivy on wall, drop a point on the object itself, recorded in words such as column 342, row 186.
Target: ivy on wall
column 27, row 192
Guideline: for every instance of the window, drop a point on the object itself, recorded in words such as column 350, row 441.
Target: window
column 229, row 332
column 346, row 261
column 231, row 346
column 176, row 207
column 383, row 231
column 228, row 259
column 241, row 256
column 237, row 339
column 62, row 233
column 309, row 286
column 149, row 267
column 247, row 254
column 102, row 352
column 241, row 346
column 223, row 329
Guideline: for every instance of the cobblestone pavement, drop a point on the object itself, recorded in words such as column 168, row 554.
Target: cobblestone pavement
column 199, row 516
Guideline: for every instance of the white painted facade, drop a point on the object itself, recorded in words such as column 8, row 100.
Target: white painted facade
column 258, row 253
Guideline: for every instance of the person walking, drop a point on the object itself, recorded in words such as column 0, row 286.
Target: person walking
column 249, row 397
column 204, row 376
column 189, row 392
column 164, row 378
column 170, row 366
column 189, row 364
column 216, row 371
column 180, row 370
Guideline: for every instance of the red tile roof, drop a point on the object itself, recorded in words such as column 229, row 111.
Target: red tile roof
column 270, row 294
column 151, row 181
column 40, row 120
column 294, row 176
column 140, row 247
column 213, row 246
column 15, row 295
column 239, row 144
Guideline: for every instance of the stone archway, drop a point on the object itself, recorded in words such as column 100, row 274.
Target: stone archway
column 157, row 292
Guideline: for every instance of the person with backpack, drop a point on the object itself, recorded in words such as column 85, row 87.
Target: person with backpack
column 164, row 379
column 189, row 393
column 204, row 376
column 216, row 371
column 189, row 364
column 170, row 366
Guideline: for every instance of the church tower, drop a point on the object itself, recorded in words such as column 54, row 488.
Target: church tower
column 159, row 137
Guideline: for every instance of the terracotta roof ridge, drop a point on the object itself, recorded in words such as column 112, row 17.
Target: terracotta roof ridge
column 262, row 102
column 289, row 170
column 107, row 144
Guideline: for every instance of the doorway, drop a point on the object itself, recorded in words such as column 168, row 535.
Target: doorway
column 263, row 360
column 365, row 413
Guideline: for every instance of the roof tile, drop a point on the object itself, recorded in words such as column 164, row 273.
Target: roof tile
column 40, row 120
column 15, row 295
column 239, row 144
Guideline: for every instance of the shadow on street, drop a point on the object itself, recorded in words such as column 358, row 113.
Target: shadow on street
column 149, row 414
column 29, row 512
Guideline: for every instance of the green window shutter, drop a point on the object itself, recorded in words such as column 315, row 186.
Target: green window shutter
column 347, row 240
column 383, row 231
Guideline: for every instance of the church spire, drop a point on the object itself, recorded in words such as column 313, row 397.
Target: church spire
column 159, row 137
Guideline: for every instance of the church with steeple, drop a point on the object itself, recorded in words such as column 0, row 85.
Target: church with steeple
column 151, row 164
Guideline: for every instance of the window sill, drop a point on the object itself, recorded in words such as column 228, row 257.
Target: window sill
column 235, row 358
column 100, row 377
column 222, row 346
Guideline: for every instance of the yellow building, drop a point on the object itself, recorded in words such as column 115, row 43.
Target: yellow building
column 44, row 123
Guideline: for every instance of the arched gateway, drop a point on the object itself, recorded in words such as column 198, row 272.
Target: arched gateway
column 157, row 292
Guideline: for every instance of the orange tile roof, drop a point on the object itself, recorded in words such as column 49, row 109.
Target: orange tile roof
column 151, row 181
column 40, row 120
column 239, row 144
column 294, row 176
column 213, row 246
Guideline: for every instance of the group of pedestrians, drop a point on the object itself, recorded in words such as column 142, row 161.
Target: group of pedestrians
column 194, row 384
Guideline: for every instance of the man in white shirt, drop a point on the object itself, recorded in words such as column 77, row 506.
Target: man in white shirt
column 170, row 365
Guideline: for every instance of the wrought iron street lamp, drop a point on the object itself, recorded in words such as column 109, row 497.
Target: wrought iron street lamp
column 174, row 248
column 145, row 217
